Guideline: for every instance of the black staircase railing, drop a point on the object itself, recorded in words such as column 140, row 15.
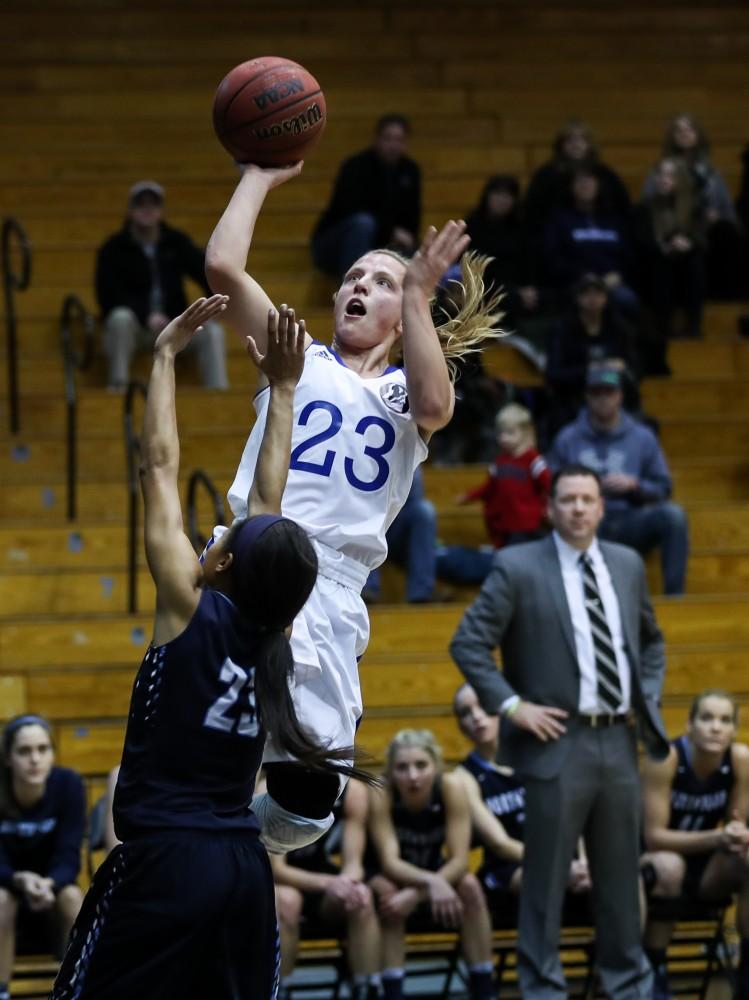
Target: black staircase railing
column 13, row 240
column 74, row 316
column 201, row 478
column 132, row 452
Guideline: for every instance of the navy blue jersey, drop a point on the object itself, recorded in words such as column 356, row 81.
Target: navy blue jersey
column 695, row 804
column 503, row 794
column 318, row 857
column 46, row 838
column 194, row 741
column 421, row 835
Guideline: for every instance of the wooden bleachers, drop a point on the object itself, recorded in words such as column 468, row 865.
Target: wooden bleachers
column 94, row 98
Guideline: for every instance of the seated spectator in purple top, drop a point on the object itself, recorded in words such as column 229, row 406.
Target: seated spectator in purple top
column 496, row 229
column 634, row 475
column 574, row 147
column 671, row 224
column 588, row 237
column 588, row 333
column 376, row 202
column 686, row 142
column 42, row 822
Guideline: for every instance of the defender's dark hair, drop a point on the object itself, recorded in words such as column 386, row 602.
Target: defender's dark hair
column 574, row 469
column 271, row 580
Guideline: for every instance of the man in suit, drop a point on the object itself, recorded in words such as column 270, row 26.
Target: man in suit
column 582, row 668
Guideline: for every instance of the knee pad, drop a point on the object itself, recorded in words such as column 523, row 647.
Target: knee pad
column 282, row 831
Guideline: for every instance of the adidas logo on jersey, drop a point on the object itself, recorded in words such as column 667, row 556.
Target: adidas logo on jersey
column 322, row 354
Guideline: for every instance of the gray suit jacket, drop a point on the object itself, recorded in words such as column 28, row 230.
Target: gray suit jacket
column 522, row 610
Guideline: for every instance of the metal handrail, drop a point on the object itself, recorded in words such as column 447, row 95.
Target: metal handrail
column 13, row 283
column 73, row 313
column 132, row 452
column 201, row 478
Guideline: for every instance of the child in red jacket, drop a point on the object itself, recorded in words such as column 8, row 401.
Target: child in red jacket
column 517, row 489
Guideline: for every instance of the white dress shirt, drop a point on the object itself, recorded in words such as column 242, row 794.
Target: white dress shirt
column 572, row 576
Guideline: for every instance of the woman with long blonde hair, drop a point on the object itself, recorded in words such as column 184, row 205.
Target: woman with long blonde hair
column 420, row 826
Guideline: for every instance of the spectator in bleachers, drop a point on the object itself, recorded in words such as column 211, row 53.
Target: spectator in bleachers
column 376, row 201
column 635, row 478
column 516, row 491
column 140, row 273
column 323, row 884
column 573, row 148
column 696, row 804
column 496, row 229
column 671, row 226
column 686, row 142
column 421, row 829
column 496, row 798
column 590, row 332
column 42, row 823
column 588, row 236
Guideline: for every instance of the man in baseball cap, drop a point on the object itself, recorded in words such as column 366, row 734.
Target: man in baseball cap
column 140, row 273
column 635, row 477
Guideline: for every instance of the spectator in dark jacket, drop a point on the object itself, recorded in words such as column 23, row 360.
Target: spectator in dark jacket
column 376, row 202
column 671, row 226
column 686, row 143
column 573, row 148
column 590, row 333
column 42, row 821
column 140, row 274
column 497, row 230
column 587, row 237
column 635, row 478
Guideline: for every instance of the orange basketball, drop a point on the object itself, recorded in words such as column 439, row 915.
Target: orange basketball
column 269, row 111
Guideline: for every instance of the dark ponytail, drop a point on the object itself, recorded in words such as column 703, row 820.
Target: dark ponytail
column 274, row 668
column 273, row 574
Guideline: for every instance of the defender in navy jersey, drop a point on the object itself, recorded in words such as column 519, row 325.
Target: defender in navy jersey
column 183, row 907
column 421, row 830
column 361, row 427
column 497, row 803
column 322, row 885
column 42, row 824
column 696, row 804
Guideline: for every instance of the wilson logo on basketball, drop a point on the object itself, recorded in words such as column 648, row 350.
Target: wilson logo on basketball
column 294, row 125
column 278, row 92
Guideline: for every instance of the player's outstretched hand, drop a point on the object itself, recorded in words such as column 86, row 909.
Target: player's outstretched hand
column 437, row 252
column 177, row 334
column 283, row 361
column 271, row 176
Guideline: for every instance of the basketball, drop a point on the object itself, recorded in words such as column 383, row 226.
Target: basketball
column 269, row 111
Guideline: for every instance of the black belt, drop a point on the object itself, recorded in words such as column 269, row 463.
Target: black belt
column 603, row 721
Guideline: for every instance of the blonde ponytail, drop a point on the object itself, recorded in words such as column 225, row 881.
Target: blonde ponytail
column 478, row 318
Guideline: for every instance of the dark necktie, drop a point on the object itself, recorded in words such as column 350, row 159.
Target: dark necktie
column 607, row 672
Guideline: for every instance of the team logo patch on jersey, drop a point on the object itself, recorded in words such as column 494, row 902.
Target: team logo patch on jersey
column 395, row 396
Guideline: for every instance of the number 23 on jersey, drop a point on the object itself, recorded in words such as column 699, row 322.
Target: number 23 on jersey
column 376, row 451
column 241, row 686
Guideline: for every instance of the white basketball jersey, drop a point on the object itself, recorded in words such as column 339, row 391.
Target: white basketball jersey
column 354, row 449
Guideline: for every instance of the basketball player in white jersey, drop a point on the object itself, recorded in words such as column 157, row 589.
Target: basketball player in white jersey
column 361, row 427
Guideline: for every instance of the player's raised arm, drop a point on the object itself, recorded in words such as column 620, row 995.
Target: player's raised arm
column 229, row 246
column 282, row 365
column 173, row 564
column 430, row 392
